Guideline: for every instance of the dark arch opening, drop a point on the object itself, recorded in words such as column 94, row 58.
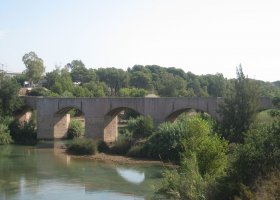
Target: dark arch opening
column 69, row 122
column 24, row 114
column 186, row 112
column 116, row 121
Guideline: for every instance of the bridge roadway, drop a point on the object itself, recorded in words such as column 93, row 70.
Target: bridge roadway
column 100, row 114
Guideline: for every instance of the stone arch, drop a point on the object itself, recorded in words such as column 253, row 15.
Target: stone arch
column 175, row 114
column 61, row 121
column 111, row 123
column 24, row 114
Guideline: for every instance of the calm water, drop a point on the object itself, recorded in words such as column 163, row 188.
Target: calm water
column 42, row 173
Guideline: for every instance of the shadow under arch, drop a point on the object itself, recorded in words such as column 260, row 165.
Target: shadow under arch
column 62, row 119
column 24, row 114
column 115, row 119
column 189, row 111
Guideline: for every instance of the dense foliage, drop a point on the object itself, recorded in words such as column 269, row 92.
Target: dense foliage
column 239, row 108
column 5, row 137
column 75, row 129
column 34, row 67
column 140, row 126
column 82, row 146
column 202, row 153
column 23, row 133
column 253, row 164
column 76, row 80
column 9, row 99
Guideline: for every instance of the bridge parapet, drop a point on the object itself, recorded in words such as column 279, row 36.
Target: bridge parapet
column 100, row 113
column 31, row 101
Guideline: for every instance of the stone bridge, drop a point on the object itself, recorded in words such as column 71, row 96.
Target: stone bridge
column 100, row 114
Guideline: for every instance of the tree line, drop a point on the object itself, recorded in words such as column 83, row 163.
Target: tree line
column 76, row 80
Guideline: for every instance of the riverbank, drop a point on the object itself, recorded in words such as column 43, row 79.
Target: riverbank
column 118, row 159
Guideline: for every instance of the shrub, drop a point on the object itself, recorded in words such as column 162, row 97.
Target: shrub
column 75, row 129
column 23, row 133
column 203, row 158
column 5, row 137
column 166, row 142
column 82, row 146
column 259, row 154
column 102, row 146
column 121, row 146
column 252, row 162
column 186, row 136
column 141, row 126
column 184, row 183
column 137, row 150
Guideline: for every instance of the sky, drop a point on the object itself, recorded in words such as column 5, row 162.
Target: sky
column 201, row 36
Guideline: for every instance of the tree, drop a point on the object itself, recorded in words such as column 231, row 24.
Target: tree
column 34, row 67
column 194, row 84
column 59, row 81
column 114, row 78
column 239, row 108
column 171, row 86
column 80, row 73
column 215, row 84
column 97, row 89
column 9, row 99
column 132, row 92
column 140, row 79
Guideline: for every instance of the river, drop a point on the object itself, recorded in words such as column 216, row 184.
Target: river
column 44, row 173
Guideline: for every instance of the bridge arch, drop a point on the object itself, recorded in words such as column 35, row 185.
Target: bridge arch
column 175, row 114
column 100, row 112
column 112, row 121
column 24, row 114
column 62, row 119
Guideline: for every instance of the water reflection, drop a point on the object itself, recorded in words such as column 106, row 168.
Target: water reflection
column 46, row 173
column 131, row 175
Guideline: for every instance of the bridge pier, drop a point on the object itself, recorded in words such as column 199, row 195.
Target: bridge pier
column 102, row 128
column 60, row 125
column 94, row 127
column 110, row 129
column 52, row 126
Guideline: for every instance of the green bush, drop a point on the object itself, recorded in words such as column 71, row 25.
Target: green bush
column 82, row 146
column 75, row 129
column 166, row 142
column 102, row 146
column 23, row 133
column 5, row 137
column 138, row 151
column 252, row 162
column 141, row 126
column 184, row 183
column 188, row 135
column 259, row 154
column 121, row 146
column 203, row 158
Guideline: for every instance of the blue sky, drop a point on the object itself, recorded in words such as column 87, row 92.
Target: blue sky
column 204, row 37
